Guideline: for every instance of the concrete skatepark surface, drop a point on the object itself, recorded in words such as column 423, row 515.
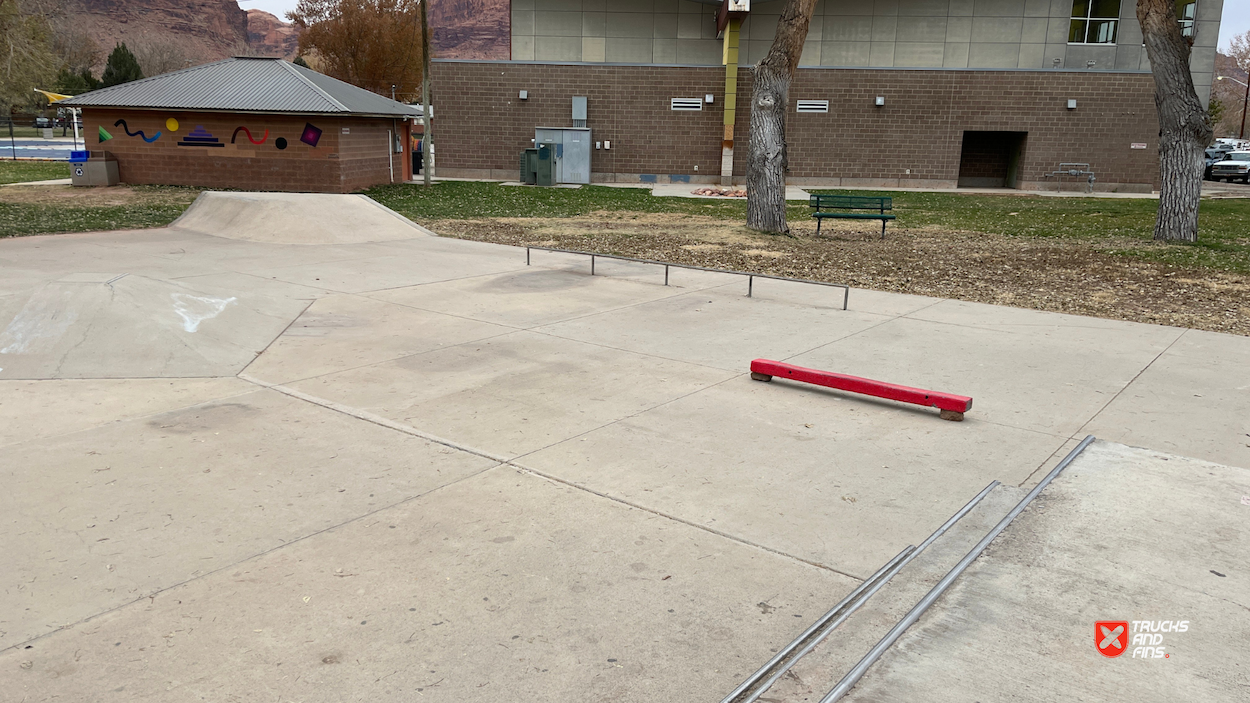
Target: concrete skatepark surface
column 373, row 464
column 1018, row 624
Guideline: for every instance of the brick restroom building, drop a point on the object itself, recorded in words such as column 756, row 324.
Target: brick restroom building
column 892, row 93
column 251, row 124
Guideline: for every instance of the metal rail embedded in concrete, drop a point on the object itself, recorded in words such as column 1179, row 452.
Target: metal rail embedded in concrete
column 854, row 675
column 846, row 290
column 819, row 630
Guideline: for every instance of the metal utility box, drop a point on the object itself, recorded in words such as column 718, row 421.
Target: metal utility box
column 94, row 168
column 572, row 152
column 529, row 166
column 545, row 174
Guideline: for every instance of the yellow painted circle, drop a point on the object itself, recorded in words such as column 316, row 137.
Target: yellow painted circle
column 171, row 124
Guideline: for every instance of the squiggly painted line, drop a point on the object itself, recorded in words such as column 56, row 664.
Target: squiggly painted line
column 137, row 133
column 248, row 132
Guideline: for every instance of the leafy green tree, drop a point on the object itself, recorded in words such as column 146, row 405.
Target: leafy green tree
column 299, row 61
column 70, row 83
column 122, row 67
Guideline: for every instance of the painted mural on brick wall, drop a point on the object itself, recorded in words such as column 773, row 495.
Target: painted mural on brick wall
column 201, row 137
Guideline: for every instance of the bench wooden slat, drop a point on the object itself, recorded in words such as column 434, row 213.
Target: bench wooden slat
column 841, row 207
column 854, row 202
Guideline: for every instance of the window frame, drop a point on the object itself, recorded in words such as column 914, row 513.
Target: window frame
column 1089, row 18
column 1187, row 23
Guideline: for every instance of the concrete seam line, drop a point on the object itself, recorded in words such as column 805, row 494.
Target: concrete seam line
column 248, row 558
column 1136, row 376
column 881, row 578
column 674, row 518
column 631, row 416
column 869, row 328
column 276, row 337
column 823, row 620
column 853, row 676
column 375, row 419
column 409, row 430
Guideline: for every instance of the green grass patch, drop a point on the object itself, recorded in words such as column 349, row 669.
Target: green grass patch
column 154, row 206
column 1125, row 225
column 24, row 171
column 468, row 200
column 1223, row 236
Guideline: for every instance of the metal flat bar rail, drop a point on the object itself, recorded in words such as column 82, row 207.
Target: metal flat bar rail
column 952, row 406
column 853, row 676
column 822, row 628
column 846, row 290
column 877, row 578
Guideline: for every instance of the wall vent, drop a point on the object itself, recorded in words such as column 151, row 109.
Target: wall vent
column 812, row 106
column 686, row 103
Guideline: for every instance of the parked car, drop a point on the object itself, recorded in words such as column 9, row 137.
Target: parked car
column 42, row 122
column 1214, row 156
column 1234, row 167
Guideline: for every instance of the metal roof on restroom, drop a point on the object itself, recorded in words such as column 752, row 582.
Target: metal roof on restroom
column 246, row 84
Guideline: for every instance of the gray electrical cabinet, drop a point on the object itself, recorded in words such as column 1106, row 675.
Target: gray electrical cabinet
column 572, row 152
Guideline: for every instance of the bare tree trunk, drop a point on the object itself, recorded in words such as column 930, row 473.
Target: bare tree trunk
column 770, row 95
column 1184, row 126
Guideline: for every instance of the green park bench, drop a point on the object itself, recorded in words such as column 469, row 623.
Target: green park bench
column 844, row 207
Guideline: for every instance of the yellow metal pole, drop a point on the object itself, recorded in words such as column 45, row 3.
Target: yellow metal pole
column 731, row 100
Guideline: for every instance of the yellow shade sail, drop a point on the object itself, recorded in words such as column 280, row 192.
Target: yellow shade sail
column 53, row 97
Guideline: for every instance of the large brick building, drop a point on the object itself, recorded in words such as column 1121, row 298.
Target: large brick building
column 923, row 93
column 249, row 123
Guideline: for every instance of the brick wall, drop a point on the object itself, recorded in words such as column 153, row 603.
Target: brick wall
column 339, row 163
column 915, row 139
column 365, row 153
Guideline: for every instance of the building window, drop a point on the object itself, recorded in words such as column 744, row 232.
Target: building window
column 1094, row 21
column 1185, row 15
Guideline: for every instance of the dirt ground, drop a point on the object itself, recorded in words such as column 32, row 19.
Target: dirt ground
column 1060, row 275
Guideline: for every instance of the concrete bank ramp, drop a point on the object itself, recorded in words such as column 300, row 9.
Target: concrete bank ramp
column 1130, row 538
column 295, row 218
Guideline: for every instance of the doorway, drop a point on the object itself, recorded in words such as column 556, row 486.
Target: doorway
column 991, row 159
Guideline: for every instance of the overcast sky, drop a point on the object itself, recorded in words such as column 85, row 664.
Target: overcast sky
column 1236, row 20
column 279, row 8
column 1236, row 14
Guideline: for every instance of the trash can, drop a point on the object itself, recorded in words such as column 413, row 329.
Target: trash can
column 529, row 166
column 545, row 174
column 93, row 168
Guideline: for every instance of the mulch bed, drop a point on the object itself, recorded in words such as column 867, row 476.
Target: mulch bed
column 1059, row 275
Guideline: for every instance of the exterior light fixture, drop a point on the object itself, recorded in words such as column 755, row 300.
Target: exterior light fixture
column 524, row 95
column 1071, row 104
column 880, row 101
column 709, row 98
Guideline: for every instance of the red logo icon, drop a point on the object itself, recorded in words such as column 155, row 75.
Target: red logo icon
column 1111, row 637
